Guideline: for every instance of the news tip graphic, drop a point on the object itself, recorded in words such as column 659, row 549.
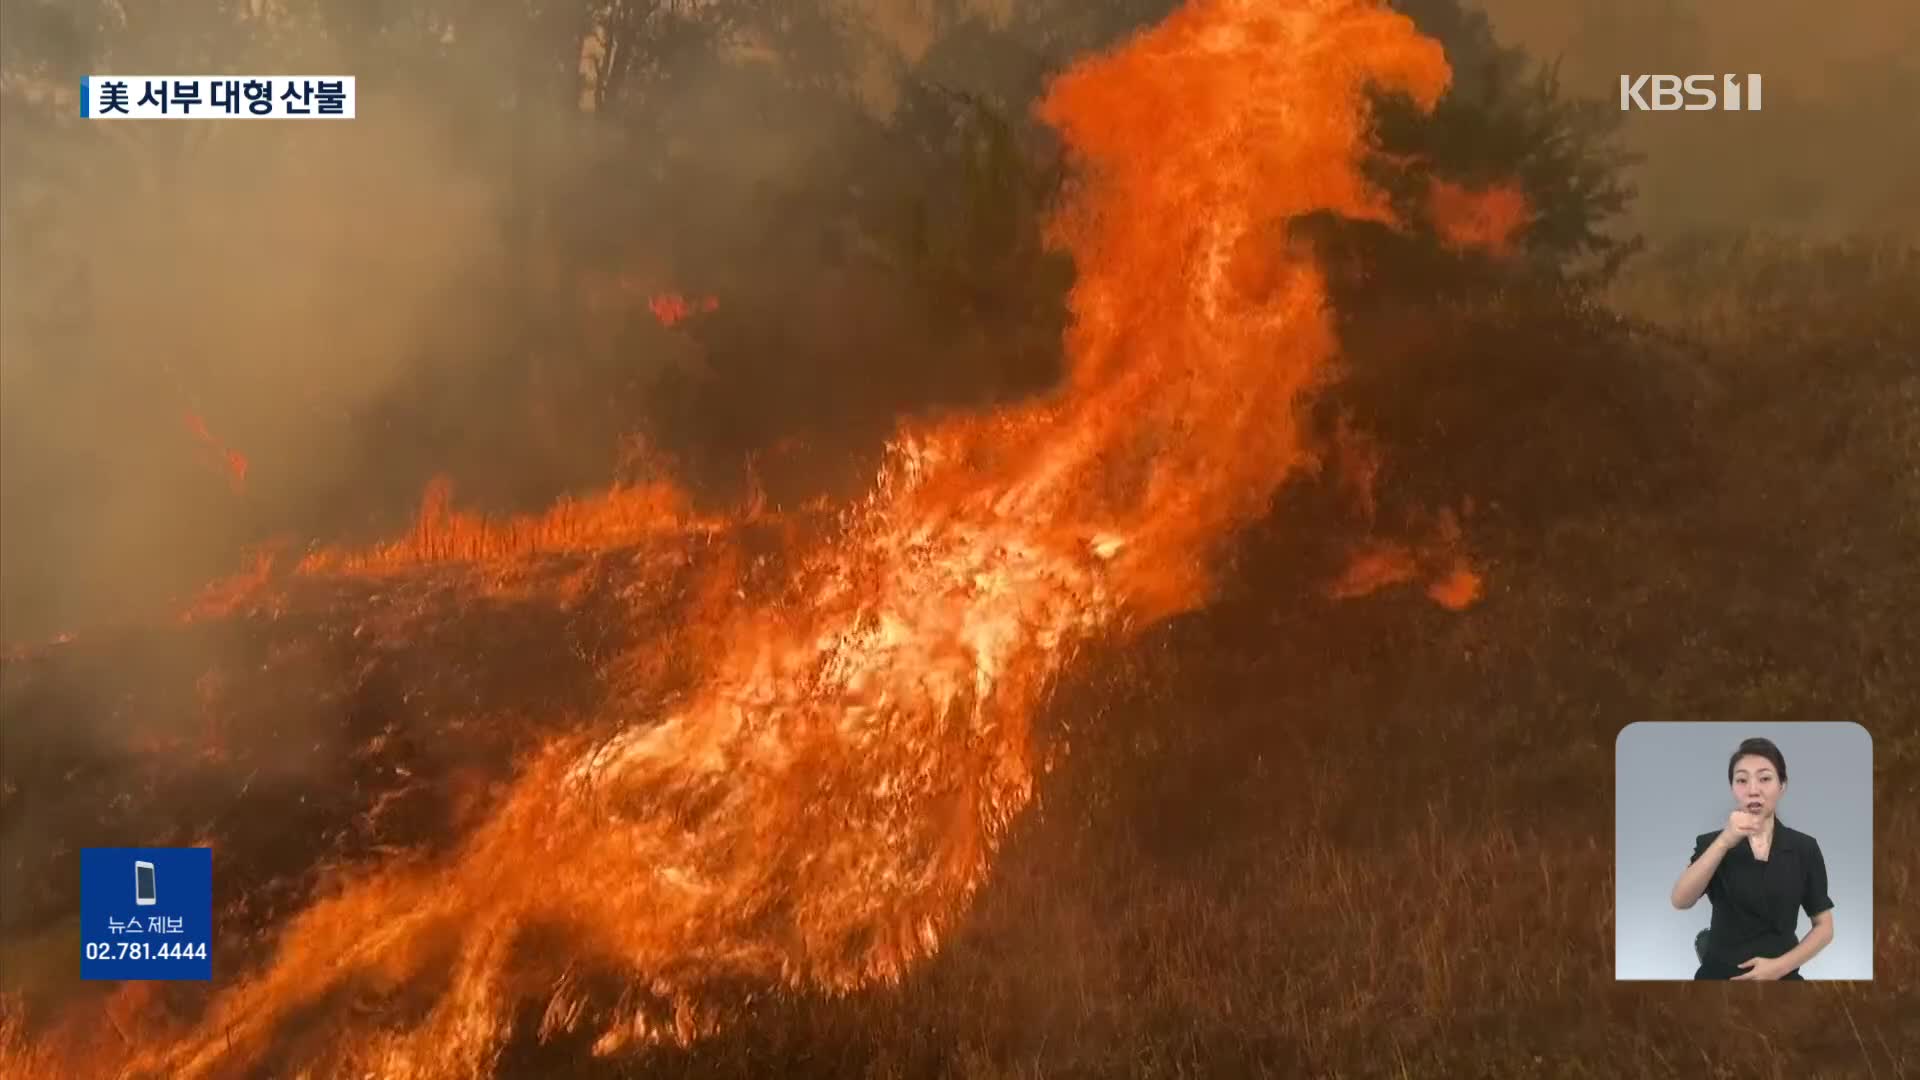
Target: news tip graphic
column 146, row 913
column 216, row 97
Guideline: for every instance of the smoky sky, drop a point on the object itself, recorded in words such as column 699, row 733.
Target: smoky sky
column 190, row 292
column 1836, row 148
column 456, row 282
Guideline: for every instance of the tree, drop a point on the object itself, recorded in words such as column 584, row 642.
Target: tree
column 1505, row 118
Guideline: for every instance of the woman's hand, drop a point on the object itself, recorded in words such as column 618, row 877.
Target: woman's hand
column 1740, row 825
column 1766, row 968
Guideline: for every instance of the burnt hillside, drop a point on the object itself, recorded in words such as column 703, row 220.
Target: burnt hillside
column 1256, row 801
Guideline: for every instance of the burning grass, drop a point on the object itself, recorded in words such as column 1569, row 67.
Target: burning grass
column 1365, row 838
column 442, row 534
column 1304, row 836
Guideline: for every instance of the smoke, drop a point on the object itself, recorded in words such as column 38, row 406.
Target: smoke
column 1834, row 151
column 199, row 320
column 217, row 335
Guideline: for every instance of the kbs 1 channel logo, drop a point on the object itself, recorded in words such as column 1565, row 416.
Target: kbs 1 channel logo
column 146, row 913
column 216, row 97
column 1690, row 93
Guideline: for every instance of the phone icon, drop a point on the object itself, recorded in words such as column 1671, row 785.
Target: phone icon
column 144, row 891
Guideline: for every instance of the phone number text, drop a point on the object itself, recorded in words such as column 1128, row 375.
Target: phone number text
column 146, row 950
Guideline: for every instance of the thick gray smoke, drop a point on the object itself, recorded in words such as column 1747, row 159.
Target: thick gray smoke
column 232, row 289
column 200, row 317
column 458, row 280
column 223, row 334
column 1836, row 148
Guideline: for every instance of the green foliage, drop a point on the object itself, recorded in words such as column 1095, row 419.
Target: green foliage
column 1506, row 118
column 974, row 216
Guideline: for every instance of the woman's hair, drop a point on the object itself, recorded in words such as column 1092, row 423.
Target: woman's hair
column 1759, row 748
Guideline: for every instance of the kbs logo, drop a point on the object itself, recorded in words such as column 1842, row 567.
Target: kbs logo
column 1665, row 93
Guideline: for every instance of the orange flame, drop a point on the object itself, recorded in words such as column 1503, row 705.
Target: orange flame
column 234, row 462
column 1379, row 564
column 1489, row 220
column 819, row 813
column 442, row 534
column 670, row 308
column 1458, row 589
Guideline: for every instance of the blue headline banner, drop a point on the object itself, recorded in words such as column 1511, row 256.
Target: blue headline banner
column 216, row 97
column 146, row 913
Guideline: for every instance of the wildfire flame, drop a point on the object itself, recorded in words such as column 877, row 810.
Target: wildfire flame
column 670, row 308
column 818, row 814
column 1490, row 219
column 233, row 461
column 1453, row 583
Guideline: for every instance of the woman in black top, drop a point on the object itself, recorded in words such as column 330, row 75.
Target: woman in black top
column 1757, row 873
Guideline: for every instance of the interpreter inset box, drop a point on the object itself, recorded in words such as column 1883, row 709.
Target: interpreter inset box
column 1743, row 851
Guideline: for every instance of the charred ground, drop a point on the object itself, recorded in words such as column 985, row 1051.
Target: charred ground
column 1289, row 833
